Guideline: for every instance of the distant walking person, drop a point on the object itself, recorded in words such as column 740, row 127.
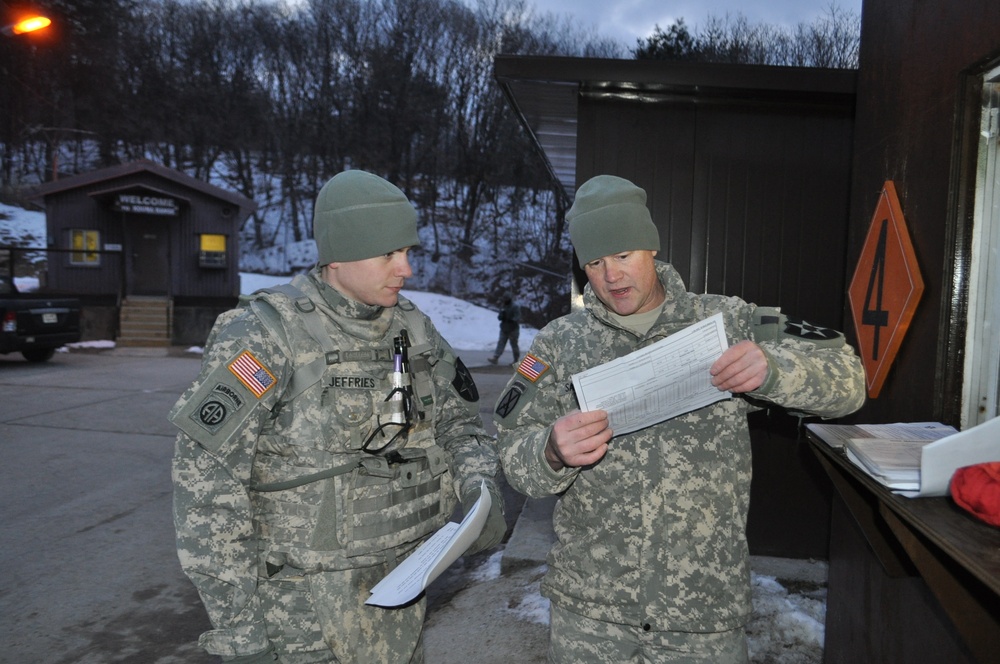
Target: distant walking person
column 510, row 329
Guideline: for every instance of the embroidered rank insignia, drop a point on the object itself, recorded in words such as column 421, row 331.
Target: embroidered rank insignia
column 254, row 376
column 532, row 368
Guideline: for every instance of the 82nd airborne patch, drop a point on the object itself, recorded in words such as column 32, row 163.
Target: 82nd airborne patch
column 216, row 408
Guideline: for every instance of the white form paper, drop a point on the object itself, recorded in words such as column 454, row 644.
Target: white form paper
column 655, row 383
column 426, row 563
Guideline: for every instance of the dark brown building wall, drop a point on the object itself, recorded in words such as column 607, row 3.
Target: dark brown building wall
column 750, row 200
column 918, row 61
column 917, row 58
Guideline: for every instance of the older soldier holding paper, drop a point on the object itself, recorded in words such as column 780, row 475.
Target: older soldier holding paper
column 651, row 562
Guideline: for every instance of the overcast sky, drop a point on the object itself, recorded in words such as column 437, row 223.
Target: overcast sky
column 629, row 20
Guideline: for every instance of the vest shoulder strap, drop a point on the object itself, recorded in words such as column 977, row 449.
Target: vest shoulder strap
column 414, row 326
column 303, row 375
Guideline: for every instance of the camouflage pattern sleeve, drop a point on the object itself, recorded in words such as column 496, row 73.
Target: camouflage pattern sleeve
column 535, row 397
column 813, row 370
column 458, row 426
column 219, row 417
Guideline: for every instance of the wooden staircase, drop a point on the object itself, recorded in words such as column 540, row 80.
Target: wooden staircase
column 145, row 321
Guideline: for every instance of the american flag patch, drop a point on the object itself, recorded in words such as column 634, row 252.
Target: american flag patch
column 531, row 367
column 252, row 373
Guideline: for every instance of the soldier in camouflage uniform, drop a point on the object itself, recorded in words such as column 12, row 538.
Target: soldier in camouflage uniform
column 651, row 560
column 331, row 430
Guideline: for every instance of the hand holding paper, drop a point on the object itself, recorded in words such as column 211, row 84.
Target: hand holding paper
column 741, row 368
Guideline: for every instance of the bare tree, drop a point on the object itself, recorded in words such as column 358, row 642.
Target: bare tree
column 831, row 41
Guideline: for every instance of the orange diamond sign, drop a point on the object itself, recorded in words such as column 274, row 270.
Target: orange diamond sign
column 885, row 289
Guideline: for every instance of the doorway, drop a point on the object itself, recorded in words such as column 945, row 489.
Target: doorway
column 147, row 255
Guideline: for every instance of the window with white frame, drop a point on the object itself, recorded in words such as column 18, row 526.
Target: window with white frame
column 981, row 385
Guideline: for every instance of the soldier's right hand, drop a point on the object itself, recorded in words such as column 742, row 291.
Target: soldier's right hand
column 578, row 439
column 264, row 657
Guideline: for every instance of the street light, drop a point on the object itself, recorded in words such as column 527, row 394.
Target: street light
column 29, row 24
column 25, row 22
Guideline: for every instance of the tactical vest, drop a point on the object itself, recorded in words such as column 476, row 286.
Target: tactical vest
column 320, row 501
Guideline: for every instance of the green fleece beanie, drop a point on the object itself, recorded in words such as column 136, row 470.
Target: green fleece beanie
column 609, row 216
column 359, row 215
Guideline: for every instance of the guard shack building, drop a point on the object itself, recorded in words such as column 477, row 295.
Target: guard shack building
column 152, row 252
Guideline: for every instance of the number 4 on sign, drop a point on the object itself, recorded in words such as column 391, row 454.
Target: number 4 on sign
column 885, row 289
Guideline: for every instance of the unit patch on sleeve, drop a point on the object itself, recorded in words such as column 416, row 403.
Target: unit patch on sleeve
column 254, row 376
column 464, row 383
column 799, row 328
column 508, row 402
column 532, row 368
column 216, row 408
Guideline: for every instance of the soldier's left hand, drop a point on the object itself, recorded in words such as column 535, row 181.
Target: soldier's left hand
column 741, row 368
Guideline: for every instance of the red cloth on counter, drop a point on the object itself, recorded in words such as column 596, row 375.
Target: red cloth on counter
column 976, row 488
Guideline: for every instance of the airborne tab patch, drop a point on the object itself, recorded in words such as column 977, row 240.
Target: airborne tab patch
column 532, row 368
column 215, row 409
column 254, row 376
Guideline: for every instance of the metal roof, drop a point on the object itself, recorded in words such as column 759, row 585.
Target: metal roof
column 246, row 205
column 545, row 92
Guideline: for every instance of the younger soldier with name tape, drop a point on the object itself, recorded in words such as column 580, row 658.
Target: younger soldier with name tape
column 651, row 563
column 331, row 430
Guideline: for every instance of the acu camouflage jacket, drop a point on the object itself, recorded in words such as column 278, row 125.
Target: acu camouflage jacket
column 653, row 535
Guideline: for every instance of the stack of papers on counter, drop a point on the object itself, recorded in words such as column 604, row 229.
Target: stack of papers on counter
column 913, row 459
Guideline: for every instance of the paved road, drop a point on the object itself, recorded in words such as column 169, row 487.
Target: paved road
column 89, row 570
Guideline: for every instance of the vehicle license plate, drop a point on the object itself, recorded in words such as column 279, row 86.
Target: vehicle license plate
column 48, row 319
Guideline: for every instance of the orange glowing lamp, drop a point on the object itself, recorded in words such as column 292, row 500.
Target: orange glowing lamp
column 30, row 23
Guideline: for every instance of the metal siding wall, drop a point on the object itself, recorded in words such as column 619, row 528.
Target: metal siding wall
column 206, row 216
column 77, row 210
column 774, row 189
column 751, row 203
column 917, row 56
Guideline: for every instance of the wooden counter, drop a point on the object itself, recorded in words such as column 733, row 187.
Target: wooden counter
column 934, row 594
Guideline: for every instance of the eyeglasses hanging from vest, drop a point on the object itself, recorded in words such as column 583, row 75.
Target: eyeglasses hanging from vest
column 399, row 401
